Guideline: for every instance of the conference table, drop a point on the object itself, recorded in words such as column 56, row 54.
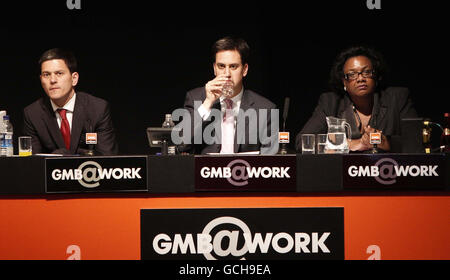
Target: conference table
column 230, row 207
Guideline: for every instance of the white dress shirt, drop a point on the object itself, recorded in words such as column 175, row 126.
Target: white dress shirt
column 69, row 106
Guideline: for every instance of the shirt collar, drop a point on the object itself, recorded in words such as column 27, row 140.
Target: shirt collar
column 69, row 106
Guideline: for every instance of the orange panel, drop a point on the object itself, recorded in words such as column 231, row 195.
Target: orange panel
column 108, row 227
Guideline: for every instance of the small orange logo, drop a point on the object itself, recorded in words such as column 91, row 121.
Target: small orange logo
column 375, row 138
column 283, row 137
column 91, row 138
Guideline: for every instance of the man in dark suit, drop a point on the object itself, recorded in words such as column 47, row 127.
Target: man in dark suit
column 59, row 121
column 244, row 121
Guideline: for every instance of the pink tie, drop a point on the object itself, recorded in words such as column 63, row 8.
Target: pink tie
column 65, row 128
column 228, row 129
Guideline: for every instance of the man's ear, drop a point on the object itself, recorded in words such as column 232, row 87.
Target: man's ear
column 214, row 68
column 244, row 73
column 75, row 77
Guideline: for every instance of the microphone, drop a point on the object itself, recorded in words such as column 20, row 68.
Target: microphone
column 283, row 137
column 375, row 140
column 285, row 112
column 91, row 138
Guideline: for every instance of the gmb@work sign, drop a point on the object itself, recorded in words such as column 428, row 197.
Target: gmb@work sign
column 96, row 174
column 242, row 233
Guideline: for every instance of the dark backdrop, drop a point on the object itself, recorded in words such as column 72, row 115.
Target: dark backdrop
column 143, row 56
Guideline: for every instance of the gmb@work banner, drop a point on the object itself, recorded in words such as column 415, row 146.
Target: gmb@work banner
column 242, row 233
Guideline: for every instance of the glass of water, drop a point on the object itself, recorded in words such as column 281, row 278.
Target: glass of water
column 25, row 148
column 228, row 89
column 308, row 143
column 321, row 141
column 337, row 143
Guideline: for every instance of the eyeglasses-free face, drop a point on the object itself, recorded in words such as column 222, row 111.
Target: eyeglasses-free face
column 57, row 81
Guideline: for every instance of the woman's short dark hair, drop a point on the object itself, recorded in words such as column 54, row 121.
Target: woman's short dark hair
column 66, row 55
column 337, row 70
column 231, row 43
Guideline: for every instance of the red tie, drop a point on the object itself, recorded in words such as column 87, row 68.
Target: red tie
column 65, row 129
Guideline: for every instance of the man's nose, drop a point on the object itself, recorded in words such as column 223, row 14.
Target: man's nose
column 227, row 71
column 53, row 78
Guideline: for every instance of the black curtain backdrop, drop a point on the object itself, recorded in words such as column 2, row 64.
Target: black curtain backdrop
column 144, row 56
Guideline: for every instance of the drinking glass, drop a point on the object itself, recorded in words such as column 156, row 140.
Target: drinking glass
column 25, row 146
column 308, row 143
column 321, row 143
column 227, row 89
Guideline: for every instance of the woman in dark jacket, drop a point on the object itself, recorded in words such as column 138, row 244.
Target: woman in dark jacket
column 359, row 97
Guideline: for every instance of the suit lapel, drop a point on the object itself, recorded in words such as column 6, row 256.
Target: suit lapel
column 49, row 119
column 246, row 103
column 218, row 133
column 78, row 121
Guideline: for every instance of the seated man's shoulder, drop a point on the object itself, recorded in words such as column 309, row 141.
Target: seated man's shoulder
column 259, row 100
column 36, row 107
column 91, row 99
column 197, row 93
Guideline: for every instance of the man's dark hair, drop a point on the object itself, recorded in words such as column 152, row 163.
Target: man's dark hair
column 66, row 55
column 337, row 70
column 230, row 43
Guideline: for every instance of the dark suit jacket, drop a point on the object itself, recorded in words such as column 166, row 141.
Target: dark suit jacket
column 91, row 114
column 249, row 99
column 390, row 106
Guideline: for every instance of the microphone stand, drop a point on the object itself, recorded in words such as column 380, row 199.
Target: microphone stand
column 283, row 149
column 375, row 149
column 375, row 142
column 164, row 148
column 90, row 151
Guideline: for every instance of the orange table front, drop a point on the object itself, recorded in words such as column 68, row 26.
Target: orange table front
column 401, row 225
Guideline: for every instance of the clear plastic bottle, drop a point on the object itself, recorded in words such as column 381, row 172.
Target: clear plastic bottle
column 8, row 140
column 2, row 135
column 168, row 123
column 445, row 137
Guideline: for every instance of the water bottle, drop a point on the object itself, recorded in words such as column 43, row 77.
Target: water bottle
column 445, row 137
column 8, row 136
column 2, row 135
column 168, row 123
